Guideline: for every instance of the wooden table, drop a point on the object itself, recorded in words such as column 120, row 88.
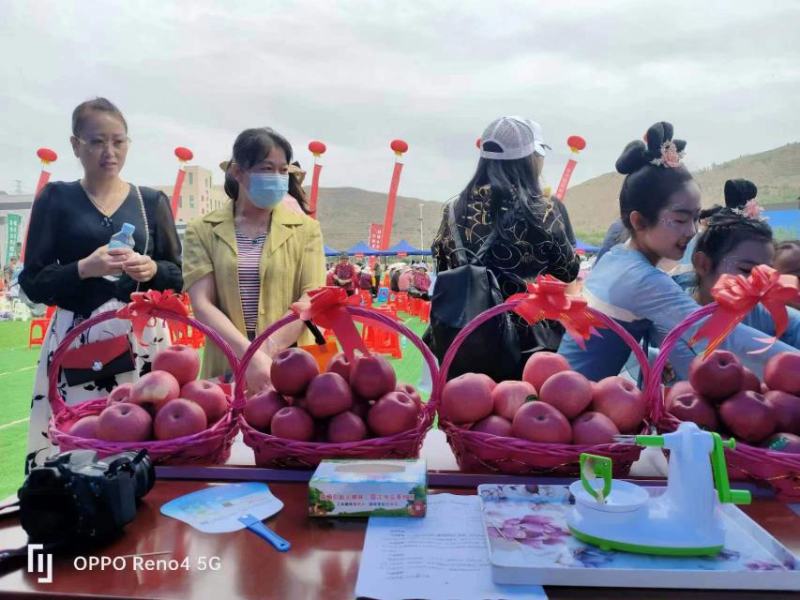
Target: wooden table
column 322, row 564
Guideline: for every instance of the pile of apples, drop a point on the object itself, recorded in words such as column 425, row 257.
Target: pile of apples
column 349, row 402
column 552, row 404
column 167, row 403
column 723, row 395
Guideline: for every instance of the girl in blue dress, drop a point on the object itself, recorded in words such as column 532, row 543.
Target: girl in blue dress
column 660, row 207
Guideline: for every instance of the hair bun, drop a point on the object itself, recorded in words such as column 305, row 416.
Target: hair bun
column 738, row 192
column 633, row 158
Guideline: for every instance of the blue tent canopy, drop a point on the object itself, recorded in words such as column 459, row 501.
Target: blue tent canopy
column 331, row 251
column 362, row 248
column 404, row 247
column 787, row 221
column 581, row 245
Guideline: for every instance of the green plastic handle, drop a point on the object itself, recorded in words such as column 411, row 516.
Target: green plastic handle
column 720, row 470
column 656, row 441
column 593, row 466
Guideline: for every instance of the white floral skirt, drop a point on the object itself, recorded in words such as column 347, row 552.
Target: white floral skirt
column 156, row 337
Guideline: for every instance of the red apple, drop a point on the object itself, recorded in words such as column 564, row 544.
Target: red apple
column 154, row 390
column 782, row 372
column 260, row 408
column 346, row 427
column 569, row 391
column 411, row 391
column 784, row 442
column 621, row 401
column 748, row 416
column 393, row 413
column 292, row 423
column 689, row 406
column 124, row 422
column 86, row 427
column 750, row 381
column 328, row 394
column 182, row 362
column 467, row 398
column 718, row 376
column 493, row 425
column 179, row 418
column 541, row 422
column 362, row 407
column 339, row 364
column 508, row 396
column 292, row 370
column 121, row 393
column 678, row 389
column 786, row 408
column 593, row 428
column 543, row 365
column 209, row 396
column 371, row 377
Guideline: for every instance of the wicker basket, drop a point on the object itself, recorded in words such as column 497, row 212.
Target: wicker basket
column 482, row 452
column 781, row 470
column 210, row 446
column 275, row 452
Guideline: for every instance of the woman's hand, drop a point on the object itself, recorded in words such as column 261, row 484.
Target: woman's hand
column 257, row 375
column 140, row 267
column 103, row 262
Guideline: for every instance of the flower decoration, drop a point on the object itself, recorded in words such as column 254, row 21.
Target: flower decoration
column 751, row 210
column 670, row 156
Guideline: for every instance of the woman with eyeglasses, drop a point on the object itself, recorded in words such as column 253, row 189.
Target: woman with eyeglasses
column 68, row 262
column 247, row 262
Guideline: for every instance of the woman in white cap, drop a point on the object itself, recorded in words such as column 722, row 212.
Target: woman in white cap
column 503, row 196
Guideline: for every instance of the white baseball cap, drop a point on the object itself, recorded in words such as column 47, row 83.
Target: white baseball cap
column 517, row 137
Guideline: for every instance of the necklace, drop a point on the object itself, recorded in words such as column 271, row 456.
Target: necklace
column 104, row 210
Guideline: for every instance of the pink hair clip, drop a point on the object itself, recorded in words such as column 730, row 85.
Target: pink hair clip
column 670, row 157
column 751, row 210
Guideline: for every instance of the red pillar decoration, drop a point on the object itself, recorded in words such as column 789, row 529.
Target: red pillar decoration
column 316, row 148
column 183, row 155
column 399, row 147
column 576, row 143
column 46, row 156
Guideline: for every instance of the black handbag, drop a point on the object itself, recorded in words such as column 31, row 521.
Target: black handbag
column 98, row 360
column 460, row 295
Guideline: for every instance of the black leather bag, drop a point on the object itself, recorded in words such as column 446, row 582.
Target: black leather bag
column 460, row 295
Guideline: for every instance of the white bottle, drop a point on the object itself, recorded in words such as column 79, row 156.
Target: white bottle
column 122, row 239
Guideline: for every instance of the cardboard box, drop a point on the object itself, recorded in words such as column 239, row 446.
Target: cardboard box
column 363, row 488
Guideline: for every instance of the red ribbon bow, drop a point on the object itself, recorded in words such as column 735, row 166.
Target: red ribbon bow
column 326, row 308
column 737, row 295
column 548, row 299
column 140, row 309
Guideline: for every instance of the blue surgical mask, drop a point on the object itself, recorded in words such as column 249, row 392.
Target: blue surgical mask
column 266, row 190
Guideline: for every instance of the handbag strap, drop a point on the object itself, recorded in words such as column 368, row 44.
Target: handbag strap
column 461, row 251
column 146, row 226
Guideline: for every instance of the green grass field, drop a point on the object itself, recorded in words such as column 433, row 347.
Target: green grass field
column 17, row 369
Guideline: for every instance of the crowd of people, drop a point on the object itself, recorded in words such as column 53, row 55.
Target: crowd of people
column 243, row 265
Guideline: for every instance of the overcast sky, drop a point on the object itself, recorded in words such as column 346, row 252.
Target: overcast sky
column 358, row 74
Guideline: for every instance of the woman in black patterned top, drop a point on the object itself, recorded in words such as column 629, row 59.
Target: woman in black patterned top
column 504, row 196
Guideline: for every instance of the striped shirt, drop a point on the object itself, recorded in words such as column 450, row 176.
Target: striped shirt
column 249, row 253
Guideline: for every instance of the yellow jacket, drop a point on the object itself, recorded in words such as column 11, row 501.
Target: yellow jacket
column 292, row 263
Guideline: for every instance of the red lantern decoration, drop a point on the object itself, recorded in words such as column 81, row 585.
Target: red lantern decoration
column 317, row 148
column 46, row 155
column 184, row 154
column 576, row 143
column 399, row 147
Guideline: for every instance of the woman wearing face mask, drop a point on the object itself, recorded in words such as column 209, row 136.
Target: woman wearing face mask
column 247, row 262
column 733, row 244
column 660, row 206
column 68, row 263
